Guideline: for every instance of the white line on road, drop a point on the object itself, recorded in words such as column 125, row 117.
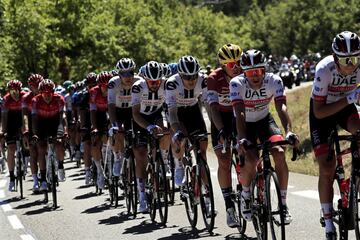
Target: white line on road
column 26, row 237
column 2, row 183
column 6, row 207
column 15, row 222
column 313, row 194
column 2, row 194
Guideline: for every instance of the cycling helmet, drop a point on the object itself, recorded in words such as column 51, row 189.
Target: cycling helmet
column 14, row 84
column 142, row 71
column 153, row 71
column 346, row 44
column 91, row 78
column 166, row 70
column 174, row 68
column 114, row 72
column 229, row 53
column 188, row 65
column 25, row 89
column 103, row 78
column 46, row 85
column 252, row 59
column 125, row 64
column 35, row 79
column 59, row 89
column 67, row 84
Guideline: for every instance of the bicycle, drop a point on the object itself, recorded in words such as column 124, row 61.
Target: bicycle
column 264, row 189
column 171, row 181
column 128, row 175
column 155, row 184
column 346, row 213
column 198, row 187
column 19, row 165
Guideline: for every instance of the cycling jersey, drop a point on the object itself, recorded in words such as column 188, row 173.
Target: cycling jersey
column 218, row 90
column 329, row 85
column 256, row 101
column 97, row 100
column 14, row 116
column 48, row 110
column 117, row 94
column 178, row 96
column 68, row 102
column 26, row 101
column 149, row 101
column 10, row 104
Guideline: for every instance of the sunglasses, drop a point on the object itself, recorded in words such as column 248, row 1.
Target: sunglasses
column 14, row 91
column 232, row 65
column 346, row 60
column 190, row 77
column 153, row 83
column 127, row 74
column 254, row 72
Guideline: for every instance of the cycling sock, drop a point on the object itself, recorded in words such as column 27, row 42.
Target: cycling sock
column 140, row 185
column 12, row 176
column 245, row 192
column 283, row 194
column 226, row 192
column 61, row 164
column 43, row 175
column 327, row 209
column 35, row 178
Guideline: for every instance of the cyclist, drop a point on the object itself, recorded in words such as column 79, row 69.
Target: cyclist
column 47, row 119
column 119, row 107
column 251, row 94
column 223, row 121
column 332, row 101
column 182, row 98
column 82, row 102
column 11, row 124
column 148, row 96
column 33, row 82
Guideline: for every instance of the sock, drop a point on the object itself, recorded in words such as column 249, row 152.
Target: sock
column 226, row 192
column 35, row 178
column 12, row 176
column 61, row 164
column 245, row 192
column 283, row 194
column 327, row 209
column 178, row 163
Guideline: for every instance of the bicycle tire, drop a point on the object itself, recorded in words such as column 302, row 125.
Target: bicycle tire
column 149, row 188
column 188, row 196
column 275, row 209
column 236, row 197
column 171, row 181
column 20, row 174
column 355, row 188
column 115, row 183
column 161, row 191
column 207, row 195
column 259, row 218
column 53, row 184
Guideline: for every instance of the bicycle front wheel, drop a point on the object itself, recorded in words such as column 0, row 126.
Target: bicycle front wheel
column 187, row 194
column 259, row 217
column 150, row 190
column 275, row 207
column 356, row 209
column 53, row 183
column 207, row 197
column 161, row 191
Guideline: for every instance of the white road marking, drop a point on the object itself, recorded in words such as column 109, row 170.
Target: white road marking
column 313, row 194
column 26, row 237
column 15, row 222
column 2, row 183
column 2, row 194
column 6, row 207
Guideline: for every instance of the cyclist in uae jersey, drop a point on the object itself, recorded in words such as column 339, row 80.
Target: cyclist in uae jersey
column 47, row 118
column 33, row 82
column 82, row 103
column 223, row 120
column 99, row 121
column 148, row 96
column 251, row 94
column 332, row 101
column 119, row 108
column 182, row 98
column 11, row 124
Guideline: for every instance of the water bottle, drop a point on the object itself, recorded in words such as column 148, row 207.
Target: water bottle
column 344, row 189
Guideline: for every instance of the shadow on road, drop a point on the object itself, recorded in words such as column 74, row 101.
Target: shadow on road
column 97, row 209
column 44, row 209
column 145, row 227
column 10, row 200
column 238, row 236
column 85, row 196
column 120, row 218
column 78, row 179
column 190, row 233
column 30, row 204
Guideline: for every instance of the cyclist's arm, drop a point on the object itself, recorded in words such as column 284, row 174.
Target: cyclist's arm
column 174, row 120
column 239, row 110
column 4, row 117
column 93, row 119
column 25, row 115
column 281, row 108
column 323, row 110
column 34, row 121
column 112, row 113
column 215, row 116
column 138, row 118
column 83, row 113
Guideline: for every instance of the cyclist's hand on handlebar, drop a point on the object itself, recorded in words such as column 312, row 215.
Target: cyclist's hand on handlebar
column 154, row 129
column 178, row 137
column 241, row 146
column 223, row 134
column 113, row 130
column 34, row 138
column 293, row 139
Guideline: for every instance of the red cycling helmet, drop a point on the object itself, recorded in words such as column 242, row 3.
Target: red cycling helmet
column 103, row 78
column 14, row 84
column 46, row 85
column 35, row 79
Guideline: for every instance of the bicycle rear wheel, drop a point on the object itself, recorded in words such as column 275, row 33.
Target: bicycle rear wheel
column 275, row 207
column 236, row 197
column 207, row 197
column 187, row 194
column 161, row 191
column 356, row 209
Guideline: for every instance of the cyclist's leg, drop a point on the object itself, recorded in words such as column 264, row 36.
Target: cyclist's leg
column 11, row 147
column 96, row 145
column 41, row 150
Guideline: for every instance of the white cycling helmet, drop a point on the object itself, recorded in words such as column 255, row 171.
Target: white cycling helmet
column 153, row 71
column 188, row 65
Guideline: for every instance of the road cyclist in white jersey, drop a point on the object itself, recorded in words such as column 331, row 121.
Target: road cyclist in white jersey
column 251, row 94
column 334, row 94
column 119, row 107
column 182, row 98
column 147, row 98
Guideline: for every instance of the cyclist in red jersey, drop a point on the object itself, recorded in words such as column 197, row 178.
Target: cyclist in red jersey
column 47, row 120
column 99, row 120
column 33, row 82
column 11, row 124
column 223, row 121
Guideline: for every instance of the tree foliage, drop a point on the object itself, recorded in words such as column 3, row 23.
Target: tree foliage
column 65, row 39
